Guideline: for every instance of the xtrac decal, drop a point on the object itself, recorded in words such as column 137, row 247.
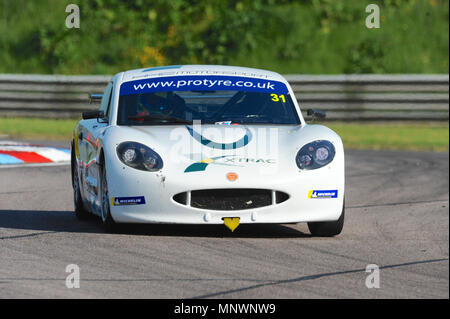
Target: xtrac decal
column 203, row 83
column 201, row 166
column 125, row 201
column 323, row 194
column 225, row 160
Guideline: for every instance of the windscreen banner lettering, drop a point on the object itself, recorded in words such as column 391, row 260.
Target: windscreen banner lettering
column 202, row 83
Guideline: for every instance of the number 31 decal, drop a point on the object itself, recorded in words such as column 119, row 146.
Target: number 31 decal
column 277, row 98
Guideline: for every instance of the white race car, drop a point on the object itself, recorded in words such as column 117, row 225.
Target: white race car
column 198, row 144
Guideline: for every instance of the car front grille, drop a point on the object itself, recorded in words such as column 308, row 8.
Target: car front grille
column 231, row 198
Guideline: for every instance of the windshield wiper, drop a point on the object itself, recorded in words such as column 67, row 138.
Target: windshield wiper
column 158, row 117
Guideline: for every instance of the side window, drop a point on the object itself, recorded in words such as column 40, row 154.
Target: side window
column 106, row 98
column 108, row 110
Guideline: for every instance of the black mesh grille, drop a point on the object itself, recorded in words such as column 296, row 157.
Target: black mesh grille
column 230, row 199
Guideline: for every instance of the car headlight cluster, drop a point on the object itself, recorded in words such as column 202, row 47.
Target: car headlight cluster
column 315, row 155
column 139, row 156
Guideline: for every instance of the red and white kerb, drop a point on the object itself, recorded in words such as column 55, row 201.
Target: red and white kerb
column 19, row 153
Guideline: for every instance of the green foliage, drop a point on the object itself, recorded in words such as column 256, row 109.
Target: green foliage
column 308, row 36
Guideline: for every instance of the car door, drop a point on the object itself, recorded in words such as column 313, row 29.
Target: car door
column 92, row 130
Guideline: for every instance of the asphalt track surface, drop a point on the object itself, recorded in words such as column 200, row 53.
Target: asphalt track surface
column 397, row 217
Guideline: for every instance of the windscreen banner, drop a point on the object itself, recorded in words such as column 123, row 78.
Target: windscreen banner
column 202, row 83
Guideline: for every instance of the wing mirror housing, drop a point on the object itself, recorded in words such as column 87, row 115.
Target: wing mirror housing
column 93, row 115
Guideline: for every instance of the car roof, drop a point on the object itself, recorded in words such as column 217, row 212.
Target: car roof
column 183, row 70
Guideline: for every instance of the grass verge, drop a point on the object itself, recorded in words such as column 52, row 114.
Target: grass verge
column 36, row 128
column 394, row 136
column 375, row 136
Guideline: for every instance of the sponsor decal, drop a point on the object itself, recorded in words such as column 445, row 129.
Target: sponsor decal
column 232, row 176
column 223, row 146
column 202, row 83
column 230, row 160
column 248, row 160
column 201, row 166
column 323, row 193
column 123, row 201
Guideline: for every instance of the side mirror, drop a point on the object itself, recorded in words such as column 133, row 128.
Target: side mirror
column 95, row 98
column 93, row 115
column 314, row 113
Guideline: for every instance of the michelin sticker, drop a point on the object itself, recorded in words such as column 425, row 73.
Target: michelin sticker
column 121, row 201
column 323, row 194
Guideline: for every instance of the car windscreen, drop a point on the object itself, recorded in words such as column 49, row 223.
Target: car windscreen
column 209, row 99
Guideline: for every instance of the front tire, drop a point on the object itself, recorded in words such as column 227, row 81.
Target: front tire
column 80, row 212
column 109, row 225
column 328, row 229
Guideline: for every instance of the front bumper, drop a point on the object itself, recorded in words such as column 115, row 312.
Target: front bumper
column 159, row 188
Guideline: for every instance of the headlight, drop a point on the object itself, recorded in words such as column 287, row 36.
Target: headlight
column 315, row 155
column 139, row 156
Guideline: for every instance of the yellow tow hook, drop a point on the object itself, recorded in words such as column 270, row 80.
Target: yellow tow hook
column 231, row 222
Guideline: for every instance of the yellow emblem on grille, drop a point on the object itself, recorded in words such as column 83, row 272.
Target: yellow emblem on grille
column 231, row 222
